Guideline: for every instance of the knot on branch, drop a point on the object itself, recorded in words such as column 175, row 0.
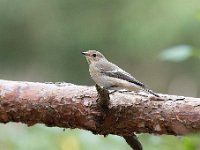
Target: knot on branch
column 103, row 98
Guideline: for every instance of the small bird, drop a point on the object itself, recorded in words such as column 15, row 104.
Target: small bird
column 110, row 76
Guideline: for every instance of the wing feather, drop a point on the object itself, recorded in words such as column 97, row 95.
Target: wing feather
column 114, row 71
column 123, row 76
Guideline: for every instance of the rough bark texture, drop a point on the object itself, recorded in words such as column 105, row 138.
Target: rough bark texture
column 72, row 106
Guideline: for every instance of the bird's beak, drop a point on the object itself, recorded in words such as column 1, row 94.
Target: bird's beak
column 85, row 53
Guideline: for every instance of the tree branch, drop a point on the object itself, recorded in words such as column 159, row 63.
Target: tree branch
column 72, row 106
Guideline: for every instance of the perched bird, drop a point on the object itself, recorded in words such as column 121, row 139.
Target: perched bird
column 110, row 76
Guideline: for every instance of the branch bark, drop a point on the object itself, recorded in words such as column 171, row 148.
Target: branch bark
column 72, row 106
column 103, row 103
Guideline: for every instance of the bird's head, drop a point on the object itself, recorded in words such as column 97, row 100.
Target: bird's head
column 93, row 56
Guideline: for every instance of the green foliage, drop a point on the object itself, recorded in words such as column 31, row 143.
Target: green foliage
column 20, row 137
column 179, row 53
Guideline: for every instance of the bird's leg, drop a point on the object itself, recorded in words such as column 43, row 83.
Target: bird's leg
column 113, row 88
column 141, row 93
column 125, row 91
column 111, row 92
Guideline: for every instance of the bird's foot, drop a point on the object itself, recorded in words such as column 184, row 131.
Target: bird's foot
column 120, row 91
column 113, row 91
column 141, row 93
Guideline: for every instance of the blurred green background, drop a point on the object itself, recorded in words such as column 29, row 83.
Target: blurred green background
column 156, row 41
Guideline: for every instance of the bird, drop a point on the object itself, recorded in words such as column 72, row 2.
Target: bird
column 111, row 77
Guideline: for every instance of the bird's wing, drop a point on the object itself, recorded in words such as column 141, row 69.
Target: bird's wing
column 124, row 76
column 114, row 71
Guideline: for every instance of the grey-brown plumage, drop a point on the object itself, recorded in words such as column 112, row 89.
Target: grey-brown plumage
column 109, row 75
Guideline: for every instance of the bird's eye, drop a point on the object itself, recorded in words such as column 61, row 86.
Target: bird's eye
column 94, row 55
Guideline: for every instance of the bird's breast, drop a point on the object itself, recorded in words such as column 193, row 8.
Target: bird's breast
column 95, row 74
